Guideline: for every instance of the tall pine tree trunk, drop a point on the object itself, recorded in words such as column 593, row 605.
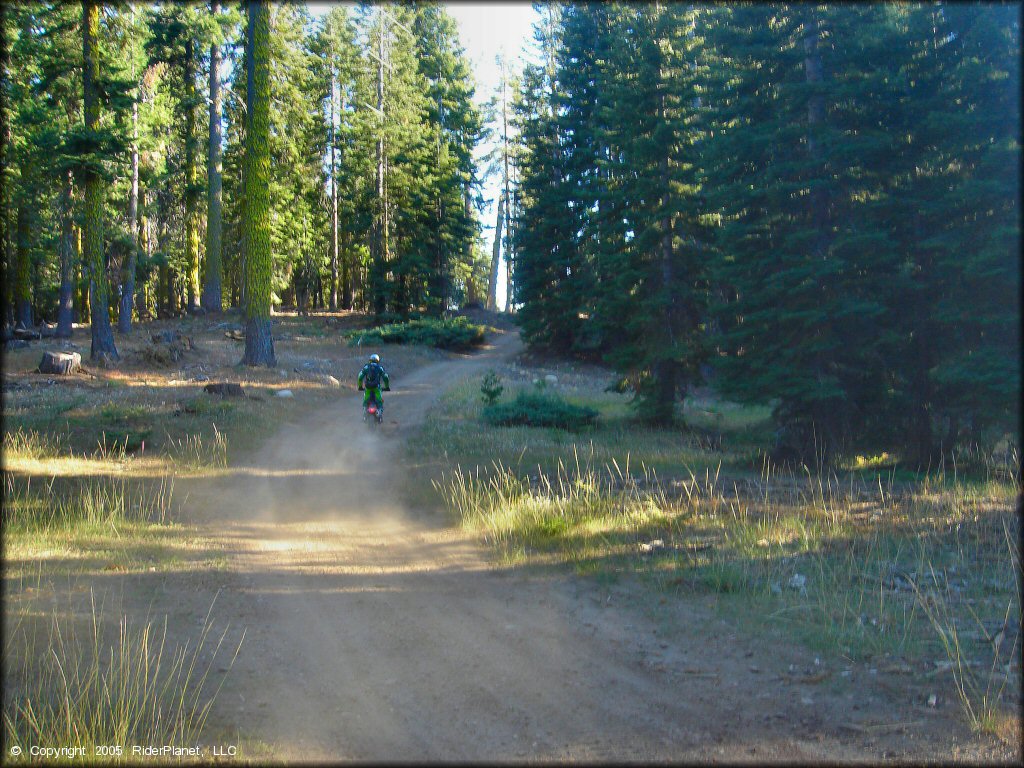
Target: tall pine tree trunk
column 334, row 200
column 380, row 236
column 82, row 313
column 124, row 316
column 92, row 228
column 492, row 280
column 191, row 181
column 66, row 250
column 23, row 263
column 214, row 218
column 6, row 311
column 508, row 199
column 259, row 343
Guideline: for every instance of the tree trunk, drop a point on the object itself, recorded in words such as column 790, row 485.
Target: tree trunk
column 347, row 277
column 243, row 299
column 259, row 343
column 82, row 307
column 334, row 202
column 191, row 181
column 505, row 179
column 467, row 251
column 492, row 280
column 142, row 289
column 124, row 316
column 23, row 262
column 212, row 301
column 92, row 228
column 66, row 249
column 379, row 263
column 7, row 313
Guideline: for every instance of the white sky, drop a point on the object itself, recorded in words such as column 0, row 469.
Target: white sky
column 485, row 30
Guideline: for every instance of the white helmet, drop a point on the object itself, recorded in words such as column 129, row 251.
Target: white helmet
column 374, row 358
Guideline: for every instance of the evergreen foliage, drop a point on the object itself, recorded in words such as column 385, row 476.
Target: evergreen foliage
column 814, row 206
column 534, row 409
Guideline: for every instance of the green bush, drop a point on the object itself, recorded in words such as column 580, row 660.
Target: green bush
column 538, row 410
column 454, row 333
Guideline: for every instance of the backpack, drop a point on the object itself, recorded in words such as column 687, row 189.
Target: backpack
column 372, row 375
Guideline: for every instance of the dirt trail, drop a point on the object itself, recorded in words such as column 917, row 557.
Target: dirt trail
column 375, row 632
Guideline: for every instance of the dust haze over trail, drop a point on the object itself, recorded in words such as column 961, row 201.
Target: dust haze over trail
column 378, row 632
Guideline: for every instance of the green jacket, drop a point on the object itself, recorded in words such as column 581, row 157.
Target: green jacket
column 382, row 376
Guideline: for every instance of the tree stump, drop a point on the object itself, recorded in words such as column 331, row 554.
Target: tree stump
column 61, row 363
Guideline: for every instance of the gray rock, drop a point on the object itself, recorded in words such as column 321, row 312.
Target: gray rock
column 284, row 393
column 551, row 380
column 225, row 389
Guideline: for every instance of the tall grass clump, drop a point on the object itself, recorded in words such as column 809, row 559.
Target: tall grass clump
column 578, row 513
column 192, row 452
column 980, row 684
column 81, row 690
column 30, row 444
column 49, row 505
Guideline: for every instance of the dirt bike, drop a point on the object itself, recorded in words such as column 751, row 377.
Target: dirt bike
column 373, row 414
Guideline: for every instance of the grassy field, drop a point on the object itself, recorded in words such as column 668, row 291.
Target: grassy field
column 870, row 564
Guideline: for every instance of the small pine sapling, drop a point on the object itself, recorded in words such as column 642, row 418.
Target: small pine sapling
column 491, row 388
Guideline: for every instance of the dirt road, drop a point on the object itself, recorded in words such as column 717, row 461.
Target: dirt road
column 376, row 632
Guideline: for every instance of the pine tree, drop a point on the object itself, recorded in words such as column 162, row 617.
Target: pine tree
column 335, row 56
column 545, row 242
column 259, row 342
column 214, row 272
column 92, row 227
column 454, row 125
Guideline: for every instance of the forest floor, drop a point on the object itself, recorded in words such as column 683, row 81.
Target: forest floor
column 372, row 628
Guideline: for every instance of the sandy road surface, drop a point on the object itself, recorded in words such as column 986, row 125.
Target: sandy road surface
column 375, row 632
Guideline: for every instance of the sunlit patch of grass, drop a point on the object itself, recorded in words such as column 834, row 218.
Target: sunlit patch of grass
column 104, row 502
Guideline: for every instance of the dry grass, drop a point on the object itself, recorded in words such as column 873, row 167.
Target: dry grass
column 80, row 689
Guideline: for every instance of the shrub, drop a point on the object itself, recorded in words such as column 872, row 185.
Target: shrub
column 454, row 333
column 538, row 410
column 491, row 388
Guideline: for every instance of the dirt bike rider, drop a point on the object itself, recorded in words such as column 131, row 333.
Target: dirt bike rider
column 371, row 377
